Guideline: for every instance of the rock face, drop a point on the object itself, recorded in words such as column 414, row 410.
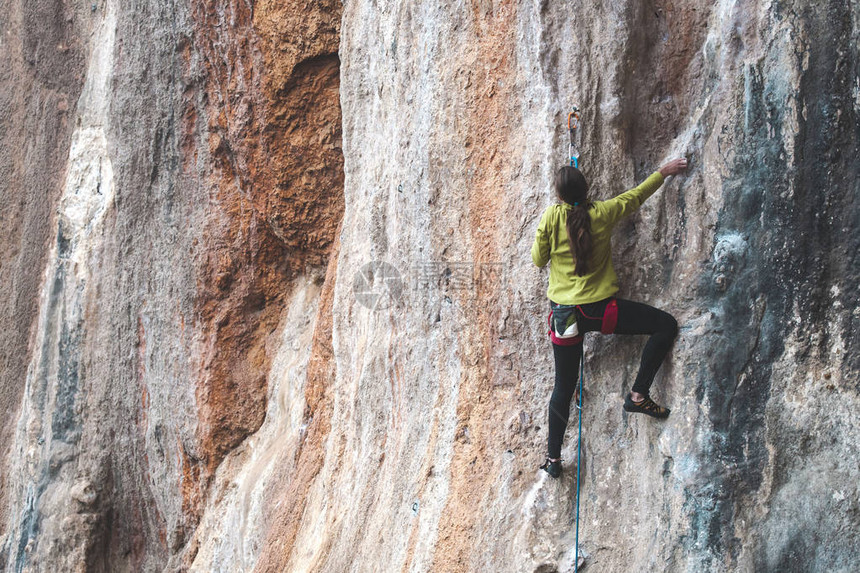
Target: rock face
column 179, row 174
column 269, row 305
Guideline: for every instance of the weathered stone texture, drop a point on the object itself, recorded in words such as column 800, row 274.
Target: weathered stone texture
column 43, row 58
column 196, row 197
column 754, row 250
column 156, row 252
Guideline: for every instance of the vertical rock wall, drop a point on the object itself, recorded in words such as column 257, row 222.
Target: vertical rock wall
column 174, row 171
column 453, row 126
column 34, row 117
column 231, row 343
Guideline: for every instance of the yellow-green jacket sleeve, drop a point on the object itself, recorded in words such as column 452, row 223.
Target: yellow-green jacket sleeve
column 619, row 207
column 540, row 247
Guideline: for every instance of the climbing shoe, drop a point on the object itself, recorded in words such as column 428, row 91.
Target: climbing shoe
column 646, row 406
column 552, row 468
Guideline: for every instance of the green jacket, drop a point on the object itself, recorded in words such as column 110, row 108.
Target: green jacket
column 551, row 244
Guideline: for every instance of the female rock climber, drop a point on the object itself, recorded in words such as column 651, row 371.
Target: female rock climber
column 575, row 236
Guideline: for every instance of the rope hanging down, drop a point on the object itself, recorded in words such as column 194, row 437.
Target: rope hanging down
column 579, row 453
column 573, row 152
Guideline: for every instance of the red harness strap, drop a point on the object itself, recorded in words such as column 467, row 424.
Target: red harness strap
column 607, row 326
column 610, row 317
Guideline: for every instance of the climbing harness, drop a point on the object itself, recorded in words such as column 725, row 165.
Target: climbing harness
column 572, row 127
column 610, row 316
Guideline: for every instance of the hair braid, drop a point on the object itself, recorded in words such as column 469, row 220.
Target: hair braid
column 571, row 187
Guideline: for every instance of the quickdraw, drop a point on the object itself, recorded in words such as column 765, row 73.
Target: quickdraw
column 572, row 127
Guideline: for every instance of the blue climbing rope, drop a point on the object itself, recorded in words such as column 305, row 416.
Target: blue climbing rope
column 573, row 152
column 579, row 454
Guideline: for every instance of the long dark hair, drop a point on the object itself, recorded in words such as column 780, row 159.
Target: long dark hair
column 571, row 187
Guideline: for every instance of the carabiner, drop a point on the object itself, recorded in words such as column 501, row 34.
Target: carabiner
column 573, row 119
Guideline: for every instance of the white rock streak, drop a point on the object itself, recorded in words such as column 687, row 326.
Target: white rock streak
column 47, row 430
column 233, row 537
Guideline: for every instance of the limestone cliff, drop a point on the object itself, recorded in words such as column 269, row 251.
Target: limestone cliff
column 268, row 303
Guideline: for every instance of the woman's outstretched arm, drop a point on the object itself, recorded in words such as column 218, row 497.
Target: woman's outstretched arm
column 619, row 207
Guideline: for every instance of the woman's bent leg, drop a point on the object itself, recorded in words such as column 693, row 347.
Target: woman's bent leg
column 567, row 359
column 638, row 318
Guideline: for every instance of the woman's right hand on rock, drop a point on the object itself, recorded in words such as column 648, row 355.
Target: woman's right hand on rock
column 673, row 167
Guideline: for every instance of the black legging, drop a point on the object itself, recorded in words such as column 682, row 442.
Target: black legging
column 633, row 318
